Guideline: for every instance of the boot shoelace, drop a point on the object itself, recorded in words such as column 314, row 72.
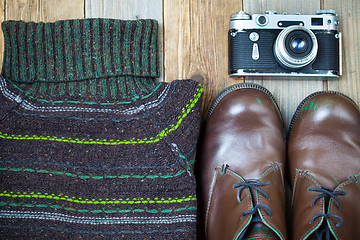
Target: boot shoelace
column 326, row 192
column 255, row 184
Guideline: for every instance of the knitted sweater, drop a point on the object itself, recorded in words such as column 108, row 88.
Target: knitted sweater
column 91, row 145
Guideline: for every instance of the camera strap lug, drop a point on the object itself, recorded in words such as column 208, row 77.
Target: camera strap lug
column 233, row 32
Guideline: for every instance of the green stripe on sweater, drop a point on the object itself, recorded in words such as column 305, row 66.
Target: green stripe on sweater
column 157, row 138
column 80, row 200
column 94, row 177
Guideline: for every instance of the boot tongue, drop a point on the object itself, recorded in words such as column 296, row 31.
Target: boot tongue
column 323, row 232
column 259, row 231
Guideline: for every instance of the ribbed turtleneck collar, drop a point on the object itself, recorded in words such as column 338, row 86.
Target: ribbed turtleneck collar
column 86, row 52
column 73, row 50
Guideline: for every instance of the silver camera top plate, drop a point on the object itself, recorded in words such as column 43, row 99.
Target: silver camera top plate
column 324, row 20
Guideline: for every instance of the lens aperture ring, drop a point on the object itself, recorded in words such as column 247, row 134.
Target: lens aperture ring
column 292, row 60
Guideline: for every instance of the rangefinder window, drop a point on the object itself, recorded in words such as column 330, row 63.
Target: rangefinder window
column 290, row 23
column 317, row 22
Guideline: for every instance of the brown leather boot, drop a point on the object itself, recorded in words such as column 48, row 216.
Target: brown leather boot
column 242, row 162
column 324, row 162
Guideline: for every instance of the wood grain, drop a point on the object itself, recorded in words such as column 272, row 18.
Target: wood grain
column 44, row 10
column 27, row 10
column 52, row 10
column 129, row 10
column 288, row 92
column 124, row 9
column 349, row 17
column 195, row 43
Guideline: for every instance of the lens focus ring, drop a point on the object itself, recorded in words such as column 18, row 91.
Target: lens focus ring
column 297, row 45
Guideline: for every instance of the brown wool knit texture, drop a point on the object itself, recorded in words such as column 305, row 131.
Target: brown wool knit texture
column 91, row 145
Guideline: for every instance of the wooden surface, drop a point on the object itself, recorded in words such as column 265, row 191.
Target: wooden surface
column 43, row 10
column 195, row 43
column 193, row 38
column 349, row 15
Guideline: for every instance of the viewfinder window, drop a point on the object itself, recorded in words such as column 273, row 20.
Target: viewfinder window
column 316, row 21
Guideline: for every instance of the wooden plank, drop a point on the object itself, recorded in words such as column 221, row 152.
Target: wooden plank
column 44, row 10
column 177, row 39
column 52, row 10
column 196, row 45
column 129, row 10
column 26, row 10
column 289, row 92
column 124, row 9
column 349, row 17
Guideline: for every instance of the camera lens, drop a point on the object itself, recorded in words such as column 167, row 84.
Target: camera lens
column 298, row 44
column 295, row 47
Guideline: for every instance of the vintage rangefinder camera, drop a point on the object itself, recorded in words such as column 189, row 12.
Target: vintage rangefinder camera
column 274, row 44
